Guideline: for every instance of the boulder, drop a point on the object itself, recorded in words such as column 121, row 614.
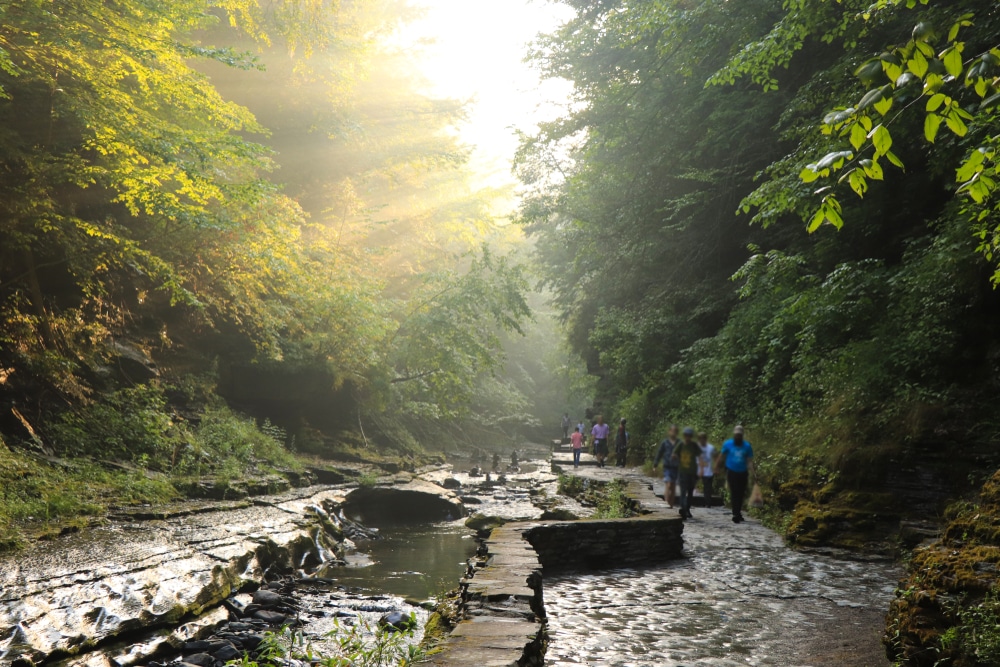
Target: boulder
column 484, row 523
column 558, row 514
column 396, row 620
column 414, row 501
column 132, row 363
column 266, row 598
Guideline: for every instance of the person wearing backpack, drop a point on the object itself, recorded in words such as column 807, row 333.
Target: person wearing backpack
column 621, row 445
column 736, row 458
column 686, row 454
column 666, row 453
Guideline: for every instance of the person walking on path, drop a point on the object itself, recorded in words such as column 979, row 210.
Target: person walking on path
column 565, row 425
column 687, row 454
column 666, row 453
column 621, row 445
column 577, row 439
column 583, row 430
column 706, row 467
column 736, row 458
column 600, row 434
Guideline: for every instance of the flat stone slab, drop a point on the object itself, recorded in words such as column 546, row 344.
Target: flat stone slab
column 488, row 641
column 70, row 594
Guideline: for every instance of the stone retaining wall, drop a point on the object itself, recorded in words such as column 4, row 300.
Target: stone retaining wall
column 502, row 599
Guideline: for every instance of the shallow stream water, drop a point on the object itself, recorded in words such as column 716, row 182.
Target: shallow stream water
column 413, row 562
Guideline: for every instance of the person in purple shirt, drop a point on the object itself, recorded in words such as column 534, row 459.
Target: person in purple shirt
column 600, row 434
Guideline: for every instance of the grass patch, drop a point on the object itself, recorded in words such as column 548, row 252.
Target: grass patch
column 128, row 449
column 39, row 498
column 614, row 502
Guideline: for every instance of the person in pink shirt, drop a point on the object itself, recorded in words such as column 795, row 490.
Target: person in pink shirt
column 577, row 439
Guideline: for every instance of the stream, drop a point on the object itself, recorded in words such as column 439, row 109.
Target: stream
column 739, row 597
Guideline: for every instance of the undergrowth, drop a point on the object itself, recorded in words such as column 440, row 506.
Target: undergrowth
column 127, row 449
column 359, row 644
column 614, row 503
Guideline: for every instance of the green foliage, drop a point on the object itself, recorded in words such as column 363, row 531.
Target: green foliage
column 359, row 644
column 570, row 485
column 368, row 479
column 39, row 498
column 130, row 424
column 842, row 349
column 614, row 502
column 222, row 434
column 945, row 75
column 978, row 632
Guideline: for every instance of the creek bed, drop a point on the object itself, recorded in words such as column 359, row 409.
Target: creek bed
column 739, row 597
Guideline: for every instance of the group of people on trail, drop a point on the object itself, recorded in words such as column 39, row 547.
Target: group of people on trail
column 600, row 434
column 686, row 460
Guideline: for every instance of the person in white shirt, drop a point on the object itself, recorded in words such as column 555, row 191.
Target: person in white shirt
column 706, row 467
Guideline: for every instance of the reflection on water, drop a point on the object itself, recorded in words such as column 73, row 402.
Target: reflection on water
column 415, row 562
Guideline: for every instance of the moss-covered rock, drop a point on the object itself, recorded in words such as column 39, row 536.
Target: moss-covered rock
column 484, row 523
column 945, row 611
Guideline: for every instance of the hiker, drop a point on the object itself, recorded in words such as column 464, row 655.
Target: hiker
column 600, row 434
column 513, row 459
column 687, row 453
column 583, row 429
column 666, row 452
column 621, row 445
column 565, row 425
column 736, row 458
column 496, row 461
column 706, row 467
column 577, row 439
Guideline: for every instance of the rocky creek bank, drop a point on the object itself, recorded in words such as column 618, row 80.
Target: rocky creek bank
column 71, row 595
column 163, row 585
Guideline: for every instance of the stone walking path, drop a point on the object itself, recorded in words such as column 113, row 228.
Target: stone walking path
column 740, row 596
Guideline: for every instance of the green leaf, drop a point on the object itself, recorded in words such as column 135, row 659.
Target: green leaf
column 858, row 136
column 894, row 159
column 873, row 169
column 936, row 101
column 817, row 221
column 933, row 83
column 956, row 124
column 883, row 105
column 809, row 174
column 857, row 181
column 931, row 125
column 882, row 139
column 953, row 61
column 871, row 97
column 972, row 166
column 917, row 64
column 990, row 101
column 923, row 32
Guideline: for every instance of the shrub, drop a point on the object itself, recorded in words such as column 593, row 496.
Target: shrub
column 130, row 424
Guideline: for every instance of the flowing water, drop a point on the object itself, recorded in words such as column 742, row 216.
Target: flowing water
column 739, row 597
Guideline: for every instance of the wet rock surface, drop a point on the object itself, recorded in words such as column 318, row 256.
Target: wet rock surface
column 154, row 567
column 740, row 596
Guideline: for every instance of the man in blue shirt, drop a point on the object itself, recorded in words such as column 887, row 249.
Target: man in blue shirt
column 737, row 459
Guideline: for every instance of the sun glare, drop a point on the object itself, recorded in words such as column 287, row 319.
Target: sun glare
column 474, row 50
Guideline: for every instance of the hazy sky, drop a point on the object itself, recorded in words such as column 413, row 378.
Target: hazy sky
column 476, row 50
